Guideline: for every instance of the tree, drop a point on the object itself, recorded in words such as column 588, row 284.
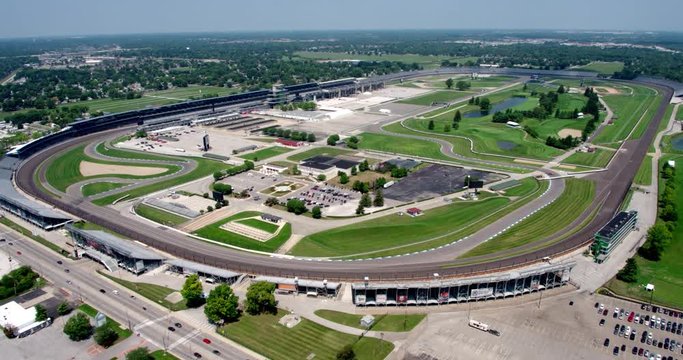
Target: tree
column 209, row 208
column 352, row 142
column 224, row 189
column 296, row 206
column 332, row 140
column 658, row 238
column 449, row 83
column 221, row 305
column 346, row 353
column 261, row 298
column 217, row 175
column 343, row 178
column 669, row 213
column 271, row 201
column 41, row 313
column 295, row 170
column 322, row 177
column 316, row 213
column 192, row 291
column 457, row 117
column 140, row 134
column 471, row 101
column 447, row 128
column 364, row 166
column 365, row 200
column 360, row 210
column 354, row 171
column 463, row 85
column 249, row 165
column 561, row 90
column 141, row 353
column 485, row 105
column 78, row 327
column 105, row 336
column 379, row 198
column 430, row 126
column 63, row 308
column 629, row 273
column 311, row 137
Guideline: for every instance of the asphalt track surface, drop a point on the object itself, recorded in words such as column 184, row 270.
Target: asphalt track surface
column 611, row 187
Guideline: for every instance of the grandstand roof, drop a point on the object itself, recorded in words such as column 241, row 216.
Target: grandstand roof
column 124, row 247
column 206, row 269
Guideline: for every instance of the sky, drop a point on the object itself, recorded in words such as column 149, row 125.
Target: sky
column 30, row 18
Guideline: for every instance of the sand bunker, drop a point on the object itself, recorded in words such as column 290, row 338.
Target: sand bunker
column 606, row 90
column 88, row 168
column 573, row 132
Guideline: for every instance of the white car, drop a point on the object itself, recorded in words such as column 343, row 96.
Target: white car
column 627, row 332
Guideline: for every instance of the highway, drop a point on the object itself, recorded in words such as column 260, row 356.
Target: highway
column 148, row 319
column 612, row 186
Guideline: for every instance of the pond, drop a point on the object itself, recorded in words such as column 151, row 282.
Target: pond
column 505, row 145
column 501, row 106
column 677, row 143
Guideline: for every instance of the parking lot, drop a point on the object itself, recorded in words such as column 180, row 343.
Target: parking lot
column 253, row 181
column 325, row 196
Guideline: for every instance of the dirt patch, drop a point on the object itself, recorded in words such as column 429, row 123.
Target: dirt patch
column 568, row 167
column 88, row 168
column 573, row 132
column 606, row 90
column 523, row 161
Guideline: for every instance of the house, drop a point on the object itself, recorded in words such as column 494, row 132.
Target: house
column 414, row 211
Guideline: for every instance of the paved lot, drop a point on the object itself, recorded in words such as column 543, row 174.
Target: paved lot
column 5, row 255
column 435, row 180
column 253, row 181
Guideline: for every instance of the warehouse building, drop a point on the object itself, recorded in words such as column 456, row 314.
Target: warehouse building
column 326, row 165
column 22, row 322
column 612, row 234
column 434, row 292
column 114, row 252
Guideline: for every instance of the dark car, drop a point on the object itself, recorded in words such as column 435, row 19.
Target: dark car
column 197, row 355
column 571, row 303
column 602, row 322
column 605, row 312
column 632, row 336
column 216, row 352
column 616, row 329
column 616, row 350
column 597, row 304
column 178, row 325
column 59, row 262
column 623, row 347
column 640, row 351
column 67, row 271
column 102, row 291
column 606, row 343
column 171, row 328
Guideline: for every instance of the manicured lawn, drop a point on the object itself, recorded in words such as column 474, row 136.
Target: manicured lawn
column 64, row 170
column 428, row 61
column 437, row 96
column 628, row 109
column 679, row 113
column 162, row 355
column 664, row 274
column 265, row 153
column 160, row 216
column 214, row 232
column 266, row 336
column 99, row 187
column 127, row 154
column 261, row 225
column 575, row 199
column 205, row 167
column 598, row 158
column 153, row 292
column 112, row 324
column 325, row 150
column 603, row 67
column 401, row 145
column 394, row 230
column 526, row 186
column 384, row 322
column 644, row 174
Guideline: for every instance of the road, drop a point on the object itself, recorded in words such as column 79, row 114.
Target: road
column 150, row 320
column 611, row 187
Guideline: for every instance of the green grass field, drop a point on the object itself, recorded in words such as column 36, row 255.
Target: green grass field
column 156, row 293
column 99, row 187
column 575, row 199
column 383, row 322
column 664, row 274
column 668, row 141
column 64, row 170
column 265, row 153
column 644, row 174
column 401, row 145
column 263, row 334
column 526, row 186
column 437, row 96
column 158, row 215
column 628, row 109
column 325, row 150
column 679, row 113
column 598, row 158
column 214, row 232
column 394, row 230
column 127, row 154
column 162, row 355
column 603, row 67
column 261, row 225
column 427, row 61
column 112, row 324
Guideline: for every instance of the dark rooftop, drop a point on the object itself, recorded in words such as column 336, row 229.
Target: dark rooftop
column 617, row 222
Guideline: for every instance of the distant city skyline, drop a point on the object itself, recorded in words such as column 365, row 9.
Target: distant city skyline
column 44, row 18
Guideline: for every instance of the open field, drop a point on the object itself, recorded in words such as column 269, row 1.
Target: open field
column 679, row 113
column 603, row 67
column 64, row 170
column 436, row 97
column 158, row 215
column 400, row 145
column 644, row 174
column 214, row 232
column 383, row 322
column 526, row 186
column 261, row 225
column 393, row 230
column 156, row 293
column 627, row 109
column 575, row 199
column 425, row 60
column 598, row 158
column 325, row 150
column 127, row 154
column 263, row 334
column 99, row 187
column 112, row 324
column 665, row 274
column 265, row 153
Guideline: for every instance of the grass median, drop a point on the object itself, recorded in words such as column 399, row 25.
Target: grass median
column 156, row 293
column 159, row 216
column 216, row 233
column 384, row 322
column 265, row 153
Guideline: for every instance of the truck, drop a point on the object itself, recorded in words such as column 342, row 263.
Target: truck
column 483, row 327
column 388, row 184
